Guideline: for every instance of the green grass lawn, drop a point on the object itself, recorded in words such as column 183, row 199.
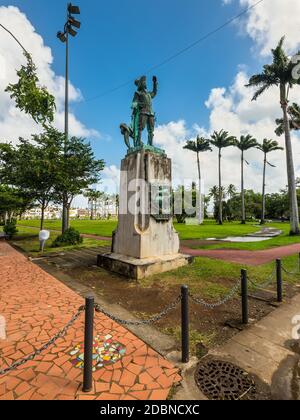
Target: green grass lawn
column 27, row 239
column 208, row 230
column 218, row 277
column 90, row 227
column 235, row 229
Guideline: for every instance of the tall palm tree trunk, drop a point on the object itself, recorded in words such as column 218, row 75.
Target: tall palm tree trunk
column 200, row 216
column 243, row 191
column 263, row 206
column 294, row 211
column 220, row 191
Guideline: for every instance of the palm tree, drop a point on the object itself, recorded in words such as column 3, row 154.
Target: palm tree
column 245, row 143
column 231, row 191
column 294, row 113
column 267, row 147
column 93, row 196
column 214, row 193
column 221, row 140
column 279, row 74
column 201, row 145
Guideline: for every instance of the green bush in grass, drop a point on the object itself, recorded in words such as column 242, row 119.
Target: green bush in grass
column 10, row 229
column 70, row 237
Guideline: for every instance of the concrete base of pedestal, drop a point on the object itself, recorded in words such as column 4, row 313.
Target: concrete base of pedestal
column 139, row 269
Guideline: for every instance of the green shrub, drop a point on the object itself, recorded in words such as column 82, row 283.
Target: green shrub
column 10, row 229
column 70, row 237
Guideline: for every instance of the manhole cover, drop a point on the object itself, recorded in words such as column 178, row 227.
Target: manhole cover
column 220, row 380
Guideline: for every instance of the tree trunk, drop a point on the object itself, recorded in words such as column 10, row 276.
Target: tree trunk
column 294, row 210
column 200, row 216
column 263, row 206
column 65, row 215
column 220, row 191
column 68, row 206
column 43, row 216
column 243, row 191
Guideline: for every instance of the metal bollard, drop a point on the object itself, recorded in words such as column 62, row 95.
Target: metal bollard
column 185, row 334
column 244, row 290
column 88, row 344
column 279, row 280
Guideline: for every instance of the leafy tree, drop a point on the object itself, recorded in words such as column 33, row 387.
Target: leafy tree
column 221, row 140
column 200, row 145
column 279, row 74
column 244, row 144
column 32, row 166
column 252, row 203
column 13, row 203
column 267, row 147
column 277, row 205
column 77, row 170
column 29, row 96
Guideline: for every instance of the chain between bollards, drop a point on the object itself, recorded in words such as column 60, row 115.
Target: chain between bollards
column 185, row 333
column 88, row 344
column 244, row 292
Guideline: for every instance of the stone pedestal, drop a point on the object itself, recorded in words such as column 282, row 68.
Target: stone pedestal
column 145, row 242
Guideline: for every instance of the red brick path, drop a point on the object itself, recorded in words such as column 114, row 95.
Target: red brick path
column 36, row 306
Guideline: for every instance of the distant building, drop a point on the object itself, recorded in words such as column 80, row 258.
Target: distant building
column 51, row 213
column 83, row 213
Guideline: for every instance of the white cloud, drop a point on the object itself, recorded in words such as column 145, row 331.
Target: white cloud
column 13, row 123
column 269, row 21
column 232, row 109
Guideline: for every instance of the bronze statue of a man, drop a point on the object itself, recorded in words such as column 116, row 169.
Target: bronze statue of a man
column 143, row 115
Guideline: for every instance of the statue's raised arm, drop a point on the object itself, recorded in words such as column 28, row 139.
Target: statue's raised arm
column 155, row 87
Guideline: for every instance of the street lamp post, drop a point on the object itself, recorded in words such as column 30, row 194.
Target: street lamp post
column 64, row 38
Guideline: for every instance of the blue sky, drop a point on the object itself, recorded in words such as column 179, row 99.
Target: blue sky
column 120, row 40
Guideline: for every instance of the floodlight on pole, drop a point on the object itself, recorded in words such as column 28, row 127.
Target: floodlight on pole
column 74, row 22
column 64, row 37
column 61, row 36
column 73, row 10
column 71, row 31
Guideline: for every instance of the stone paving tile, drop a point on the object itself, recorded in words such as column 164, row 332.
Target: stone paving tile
column 36, row 306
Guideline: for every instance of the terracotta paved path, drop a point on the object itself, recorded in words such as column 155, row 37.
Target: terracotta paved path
column 36, row 306
column 253, row 258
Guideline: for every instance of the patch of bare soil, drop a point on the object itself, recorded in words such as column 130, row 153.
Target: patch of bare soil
column 211, row 324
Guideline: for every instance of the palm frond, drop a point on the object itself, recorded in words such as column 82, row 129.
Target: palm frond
column 222, row 139
column 246, row 142
column 269, row 146
column 199, row 145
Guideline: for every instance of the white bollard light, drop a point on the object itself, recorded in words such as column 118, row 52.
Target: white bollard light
column 44, row 235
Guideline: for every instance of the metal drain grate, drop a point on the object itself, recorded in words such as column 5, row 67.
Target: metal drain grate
column 220, row 380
